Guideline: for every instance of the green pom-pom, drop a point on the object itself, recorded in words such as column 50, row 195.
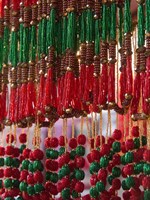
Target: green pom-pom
column 23, row 146
column 37, row 165
column 61, row 151
column 72, row 154
column 65, row 194
column 1, row 162
column 110, row 156
column 16, row 183
column 138, row 168
column 80, row 151
column 54, row 177
column 136, row 143
column 75, row 194
column 16, row 162
column 129, row 156
column 104, row 161
column 1, row 184
column 19, row 198
column 100, row 186
column 124, row 185
column 79, row 174
column 51, row 153
column 8, row 161
column 94, row 167
column 65, row 170
column 8, row 183
column 146, row 168
column 116, row 146
column 123, row 160
column 48, row 175
column 110, row 179
column 9, row 198
column 23, row 187
column 38, row 188
column 116, row 171
column 144, row 141
column 93, row 192
column 30, row 167
column 146, row 194
column 130, row 182
column 25, row 164
column 30, row 190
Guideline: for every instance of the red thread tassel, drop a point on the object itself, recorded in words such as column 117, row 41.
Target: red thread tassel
column 54, row 96
column 2, row 4
column 1, row 108
column 4, row 102
column 77, row 102
column 111, row 83
column 48, row 88
column 27, row 3
column 12, row 107
column 23, row 101
column 60, row 95
column 129, row 76
column 95, row 94
column 16, row 5
column 41, row 93
column 122, row 84
column 82, row 79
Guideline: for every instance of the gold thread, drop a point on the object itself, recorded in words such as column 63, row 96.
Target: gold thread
column 15, row 137
column 73, row 130
column 82, row 122
column 101, row 127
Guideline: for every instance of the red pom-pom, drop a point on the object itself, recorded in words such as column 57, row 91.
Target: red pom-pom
column 26, row 153
column 126, row 195
column 110, row 141
column 51, row 188
column 51, row 165
column 105, row 149
column 136, row 183
column 38, row 177
column 64, row 159
column 123, row 147
column 59, row 186
column 135, row 131
column 62, row 141
column 72, row 165
column 31, row 156
column 23, row 138
column 129, row 144
column 73, row 143
column 110, row 166
column 116, row 184
column 30, row 179
column 47, row 142
column 2, row 151
column 98, row 140
column 44, row 195
column 86, row 197
column 135, row 192
column 54, row 142
column 146, row 182
column 80, row 162
column 9, row 138
column 115, row 198
column 65, row 181
column 16, row 152
column 128, row 170
column 112, row 191
column 38, row 154
column 1, row 173
column 9, row 150
column 89, row 158
column 23, row 175
column 26, row 196
column 16, row 173
column 73, row 183
column 81, row 139
column 146, row 155
column 102, row 174
column 117, row 134
column 116, row 159
column 8, row 172
column 105, row 195
column 93, row 179
column 79, row 187
column 95, row 155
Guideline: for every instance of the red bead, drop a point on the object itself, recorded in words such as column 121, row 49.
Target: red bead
column 9, row 138
column 86, row 197
column 36, row 197
column 146, row 182
column 98, row 140
column 9, row 150
column 59, row 186
column 65, row 181
column 146, row 155
column 141, row 176
column 110, row 141
column 116, row 159
column 105, row 195
column 89, row 158
column 110, row 166
column 16, row 152
column 23, row 175
column 62, row 141
column 31, row 156
column 38, row 177
column 26, row 153
column 115, row 198
column 54, row 142
column 93, row 179
column 129, row 144
column 73, row 143
column 105, row 149
column 136, row 183
column 81, row 139
column 23, row 138
column 47, row 142
column 44, row 195
column 1, row 173
column 15, row 173
column 117, row 134
column 73, row 183
column 79, row 187
column 64, row 159
column 128, row 170
column 95, row 155
column 126, row 195
column 102, row 174
column 2, row 151
column 51, row 188
column 112, row 191
column 123, row 147
column 116, row 184
column 135, row 192
column 38, row 154
column 8, row 172
column 135, row 131
column 30, row 179
column 51, row 165
column 26, row 196
column 72, row 165
column 80, row 162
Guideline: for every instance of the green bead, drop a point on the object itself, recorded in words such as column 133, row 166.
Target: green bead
column 51, row 153
column 65, row 170
column 1, row 162
column 8, row 183
column 94, row 167
column 8, row 161
column 65, row 194
column 110, row 179
column 146, row 169
column 116, row 171
column 30, row 167
column 19, row 198
column 9, row 198
column 146, row 194
column 80, row 150
column 124, row 185
column 130, row 182
column 138, row 168
column 60, row 175
column 110, row 156
column 61, row 151
column 79, row 174
column 100, row 186
column 16, row 183
column 30, row 190
column 75, row 194
column 25, row 164
column 144, row 141
column 54, row 177
column 16, row 162
column 37, row 165
column 1, row 184
column 23, row 146
column 48, row 175
column 116, row 146
column 104, row 161
column 72, row 154
column 129, row 156
column 93, row 192
column 136, row 143
column 23, row 187
column 38, row 188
